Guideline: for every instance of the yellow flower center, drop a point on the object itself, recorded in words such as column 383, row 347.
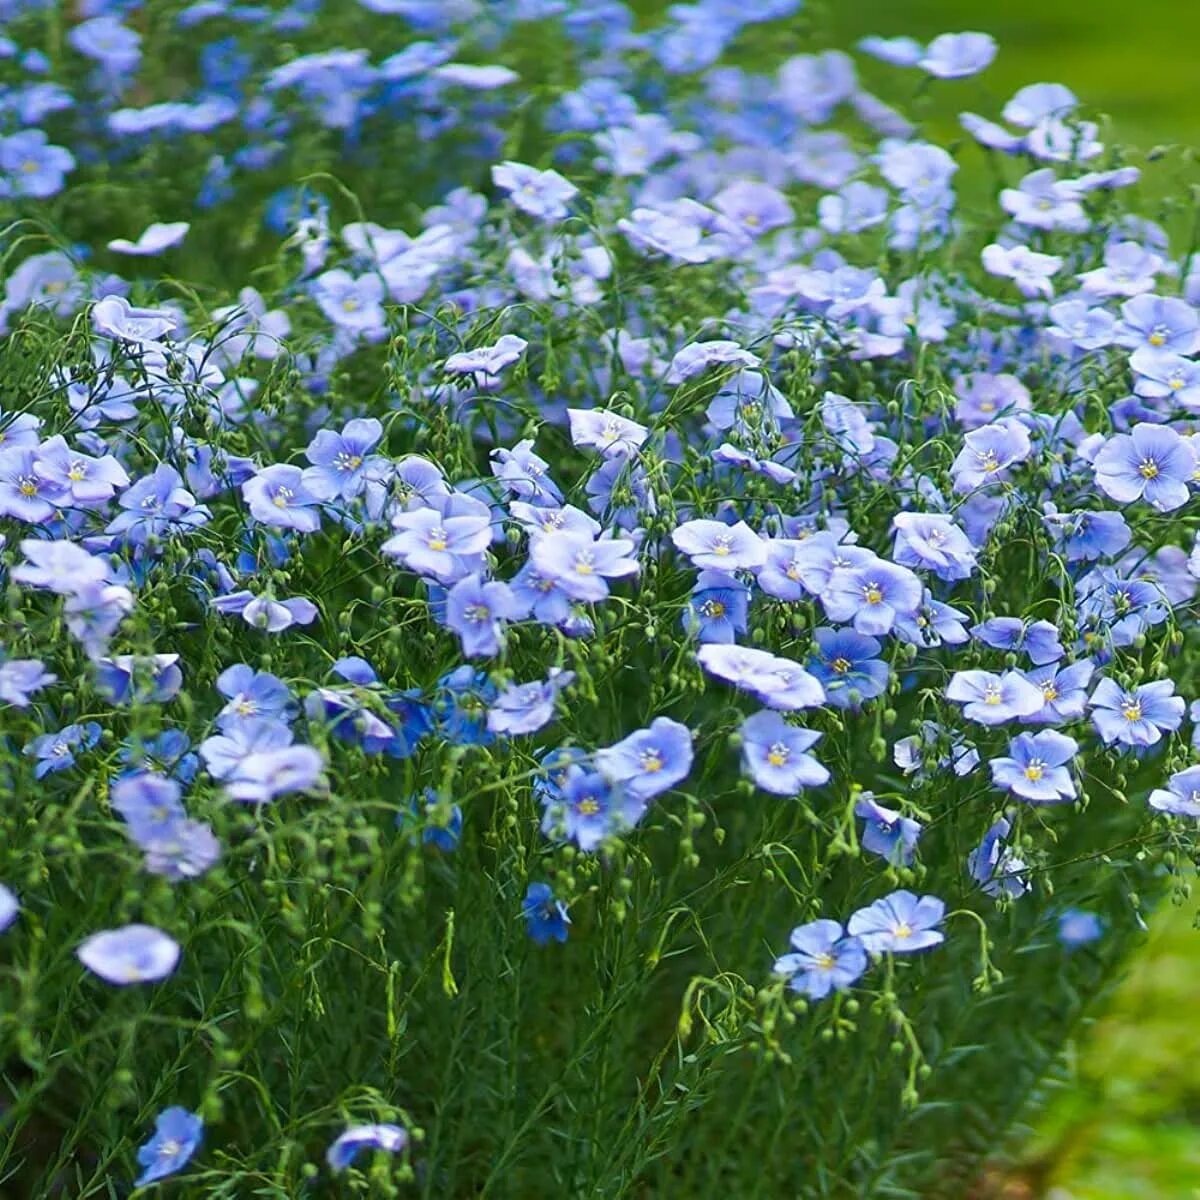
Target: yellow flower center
column 1148, row 468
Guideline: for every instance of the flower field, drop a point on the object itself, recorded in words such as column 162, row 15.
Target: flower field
column 593, row 604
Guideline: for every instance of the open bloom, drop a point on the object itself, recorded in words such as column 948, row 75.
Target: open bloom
column 650, row 761
column 581, row 566
column 849, row 667
column 177, row 1137
column 823, row 959
column 1151, row 463
column 1138, row 717
column 715, row 545
column 993, row 699
column 1036, row 767
column 277, row 496
column 873, row 597
column 775, row 754
column 900, row 923
column 1181, row 796
column 542, row 194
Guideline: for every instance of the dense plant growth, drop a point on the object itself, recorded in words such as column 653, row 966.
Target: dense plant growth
column 574, row 622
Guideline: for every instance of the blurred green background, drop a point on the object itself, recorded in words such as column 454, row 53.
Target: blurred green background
column 1124, row 1122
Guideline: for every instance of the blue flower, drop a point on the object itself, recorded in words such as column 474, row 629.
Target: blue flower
column 886, row 833
column 56, row 751
column 177, row 1137
column 591, row 811
column 460, row 707
column 542, row 194
column 168, row 753
column 957, row 55
column 1085, row 536
column 993, row 699
column 546, row 918
column 250, row 694
column 997, row 870
column 342, row 463
column 823, row 959
column 1064, row 690
column 1152, row 462
column 1138, row 717
column 1077, row 927
column 139, row 679
column 900, row 923
column 440, row 826
column 20, row 678
column 30, row 165
column 476, row 610
column 933, row 624
column 150, row 804
column 932, row 542
column 277, row 497
column 1036, row 767
column 185, row 851
column 10, row 906
column 650, row 761
column 527, row 707
column 989, row 453
column 1162, row 323
column 347, row 1146
column 581, row 566
column 156, row 506
column 848, row 666
column 131, row 954
column 1038, row 639
column 775, row 754
column 713, row 545
column 872, row 597
column 1181, row 796
column 718, row 608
